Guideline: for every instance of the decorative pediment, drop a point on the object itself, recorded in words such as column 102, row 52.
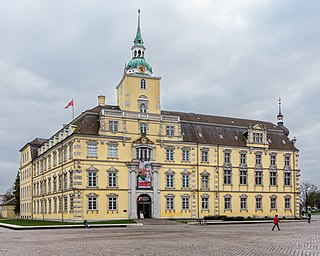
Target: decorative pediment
column 258, row 127
column 143, row 140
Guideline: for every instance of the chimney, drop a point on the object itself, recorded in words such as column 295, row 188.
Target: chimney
column 101, row 100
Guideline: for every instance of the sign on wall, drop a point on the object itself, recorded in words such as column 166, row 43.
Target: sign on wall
column 144, row 176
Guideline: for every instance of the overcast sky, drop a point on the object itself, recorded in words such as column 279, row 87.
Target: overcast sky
column 220, row 57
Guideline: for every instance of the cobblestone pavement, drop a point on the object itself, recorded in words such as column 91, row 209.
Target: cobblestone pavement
column 299, row 238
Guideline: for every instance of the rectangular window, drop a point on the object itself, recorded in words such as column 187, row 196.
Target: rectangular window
column 55, row 205
column 204, row 182
column 287, row 178
column 65, row 181
column 227, row 158
column 92, row 149
column 170, row 154
column 258, row 203
column 54, row 158
column 169, row 130
column 143, row 128
column 204, row 156
column 258, row 159
column 273, row 203
column 287, row 161
column 258, row 177
column 273, row 160
column 49, row 206
column 65, row 153
column 205, row 203
column 287, row 203
column 144, row 154
column 243, row 158
column 243, row 177
column 112, row 179
column 54, row 184
column 70, row 180
column 112, row 203
column 71, row 203
column 113, row 126
column 92, row 203
column 70, row 151
column 170, row 203
column 273, row 178
column 170, row 181
column 92, row 179
column 65, row 205
column 60, row 204
column 60, row 156
column 227, row 177
column 185, row 180
column 227, row 203
column 243, row 204
column 257, row 137
column 112, row 150
column 60, row 182
column 185, row 155
column 185, row 203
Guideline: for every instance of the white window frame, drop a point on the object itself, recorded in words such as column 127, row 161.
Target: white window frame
column 92, row 203
column 112, row 150
column 113, row 126
column 170, row 130
column 170, row 154
column 112, row 202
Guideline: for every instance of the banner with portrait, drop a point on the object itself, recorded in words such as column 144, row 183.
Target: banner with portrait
column 144, row 176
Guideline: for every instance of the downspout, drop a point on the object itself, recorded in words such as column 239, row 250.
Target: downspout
column 218, row 162
column 197, row 189
column 294, row 180
column 62, row 185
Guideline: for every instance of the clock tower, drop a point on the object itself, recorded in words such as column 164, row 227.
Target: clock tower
column 138, row 89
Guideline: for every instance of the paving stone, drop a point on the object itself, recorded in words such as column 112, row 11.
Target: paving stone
column 163, row 238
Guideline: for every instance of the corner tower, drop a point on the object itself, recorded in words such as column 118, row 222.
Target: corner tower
column 138, row 89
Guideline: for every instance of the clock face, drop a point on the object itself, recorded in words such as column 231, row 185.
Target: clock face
column 141, row 68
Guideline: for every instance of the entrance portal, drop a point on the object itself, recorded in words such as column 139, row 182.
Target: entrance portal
column 144, row 205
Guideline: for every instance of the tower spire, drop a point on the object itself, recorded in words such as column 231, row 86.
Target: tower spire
column 138, row 39
column 279, row 105
column 138, row 64
column 280, row 120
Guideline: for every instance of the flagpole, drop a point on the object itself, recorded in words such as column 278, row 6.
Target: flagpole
column 73, row 109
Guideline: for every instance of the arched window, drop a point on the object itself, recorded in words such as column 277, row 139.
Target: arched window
column 143, row 108
column 135, row 54
column 143, row 84
column 139, row 53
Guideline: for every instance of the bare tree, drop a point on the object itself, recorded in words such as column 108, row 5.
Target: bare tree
column 9, row 194
column 307, row 190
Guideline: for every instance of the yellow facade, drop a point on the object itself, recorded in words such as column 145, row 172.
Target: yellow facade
column 199, row 165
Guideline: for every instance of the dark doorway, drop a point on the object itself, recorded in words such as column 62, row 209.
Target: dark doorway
column 144, row 205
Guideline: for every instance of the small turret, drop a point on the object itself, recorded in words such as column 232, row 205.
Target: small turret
column 280, row 120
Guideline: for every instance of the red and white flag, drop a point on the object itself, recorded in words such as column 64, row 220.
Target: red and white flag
column 70, row 104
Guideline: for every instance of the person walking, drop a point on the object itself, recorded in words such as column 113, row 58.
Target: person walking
column 276, row 222
column 309, row 216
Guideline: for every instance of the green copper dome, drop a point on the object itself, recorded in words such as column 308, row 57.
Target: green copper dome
column 136, row 62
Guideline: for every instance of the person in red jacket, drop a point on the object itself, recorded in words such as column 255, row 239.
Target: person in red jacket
column 276, row 222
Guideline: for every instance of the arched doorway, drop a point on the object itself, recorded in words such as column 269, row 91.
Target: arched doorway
column 144, row 205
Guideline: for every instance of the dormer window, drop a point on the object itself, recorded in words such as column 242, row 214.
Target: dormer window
column 257, row 137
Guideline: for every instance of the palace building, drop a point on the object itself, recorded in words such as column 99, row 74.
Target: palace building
column 115, row 161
